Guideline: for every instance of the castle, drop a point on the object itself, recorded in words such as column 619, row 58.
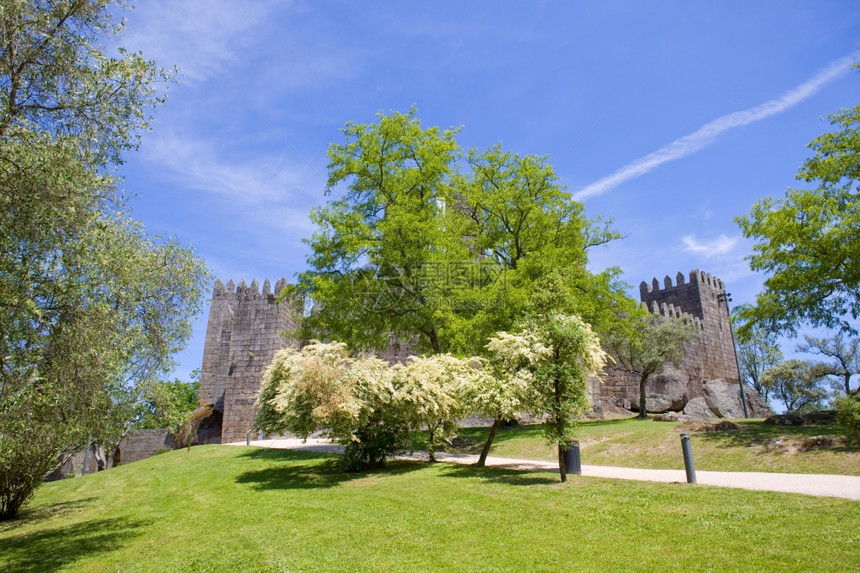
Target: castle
column 246, row 328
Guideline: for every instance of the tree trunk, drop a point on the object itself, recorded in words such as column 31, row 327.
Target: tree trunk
column 431, row 436
column 643, row 412
column 482, row 460
column 562, row 469
column 434, row 340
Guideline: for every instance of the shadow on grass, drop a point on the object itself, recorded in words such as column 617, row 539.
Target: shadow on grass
column 29, row 515
column 50, row 549
column 499, row 475
column 310, row 470
column 752, row 434
column 479, row 435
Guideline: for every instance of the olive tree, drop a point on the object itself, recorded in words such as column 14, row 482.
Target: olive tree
column 646, row 345
column 90, row 305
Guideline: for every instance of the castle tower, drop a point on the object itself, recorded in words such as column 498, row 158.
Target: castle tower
column 703, row 300
column 246, row 328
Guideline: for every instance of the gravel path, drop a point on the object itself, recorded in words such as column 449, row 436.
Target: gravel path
column 847, row 487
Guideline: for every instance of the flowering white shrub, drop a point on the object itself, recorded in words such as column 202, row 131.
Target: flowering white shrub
column 352, row 401
column 541, row 370
column 432, row 391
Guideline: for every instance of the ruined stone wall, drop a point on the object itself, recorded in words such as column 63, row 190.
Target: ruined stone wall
column 246, row 328
column 141, row 444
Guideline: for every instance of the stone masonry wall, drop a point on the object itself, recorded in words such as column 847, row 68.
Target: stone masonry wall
column 141, row 444
column 701, row 300
column 703, row 297
column 246, row 328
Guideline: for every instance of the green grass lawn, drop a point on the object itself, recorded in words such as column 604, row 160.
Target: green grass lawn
column 223, row 508
column 638, row 443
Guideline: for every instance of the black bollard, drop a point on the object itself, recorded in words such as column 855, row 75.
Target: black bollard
column 572, row 461
column 688, row 458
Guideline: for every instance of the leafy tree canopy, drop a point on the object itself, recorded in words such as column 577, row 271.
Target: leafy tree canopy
column 809, row 242
column 90, row 305
column 645, row 344
column 436, row 246
column 797, row 384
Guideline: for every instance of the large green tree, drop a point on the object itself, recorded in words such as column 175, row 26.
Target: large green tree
column 426, row 244
column 90, row 306
column 809, row 242
column 384, row 245
column 525, row 226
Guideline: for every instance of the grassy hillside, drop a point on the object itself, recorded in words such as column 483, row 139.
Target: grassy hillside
column 648, row 444
column 223, row 508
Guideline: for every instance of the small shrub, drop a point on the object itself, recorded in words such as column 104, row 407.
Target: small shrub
column 848, row 415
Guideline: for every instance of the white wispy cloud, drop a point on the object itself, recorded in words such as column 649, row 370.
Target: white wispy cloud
column 197, row 36
column 207, row 165
column 717, row 246
column 271, row 192
column 706, row 134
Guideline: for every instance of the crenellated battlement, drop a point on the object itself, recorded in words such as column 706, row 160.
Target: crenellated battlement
column 699, row 298
column 669, row 310
column 696, row 277
column 247, row 291
column 247, row 325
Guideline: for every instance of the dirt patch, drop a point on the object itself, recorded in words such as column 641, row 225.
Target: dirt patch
column 593, row 441
column 703, row 426
column 794, row 445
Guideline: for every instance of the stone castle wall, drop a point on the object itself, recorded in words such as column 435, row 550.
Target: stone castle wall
column 702, row 301
column 703, row 298
column 246, row 327
column 142, row 444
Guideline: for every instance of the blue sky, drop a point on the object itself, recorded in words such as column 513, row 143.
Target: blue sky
column 672, row 117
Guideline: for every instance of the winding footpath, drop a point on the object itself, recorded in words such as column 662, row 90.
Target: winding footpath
column 847, row 487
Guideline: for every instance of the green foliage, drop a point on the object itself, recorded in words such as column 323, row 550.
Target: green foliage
column 167, row 404
column 352, row 401
column 363, row 403
column 848, row 415
column 91, row 307
column 413, row 248
column 645, row 343
column 808, row 243
column 844, row 354
column 378, row 246
column 544, row 368
column 432, row 391
column 797, row 384
column 757, row 352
